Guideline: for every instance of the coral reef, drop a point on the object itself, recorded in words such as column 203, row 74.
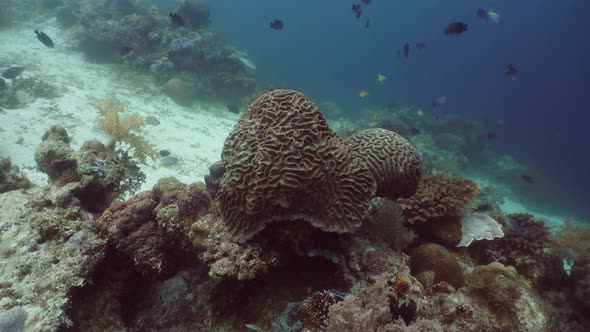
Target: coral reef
column 11, row 178
column 435, row 210
column 45, row 251
column 283, row 163
column 387, row 224
column 522, row 246
column 392, row 160
column 436, row 258
column 148, row 230
column 571, row 241
column 580, row 275
column 54, row 156
column 120, row 129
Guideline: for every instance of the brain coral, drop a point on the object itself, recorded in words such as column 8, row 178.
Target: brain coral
column 392, row 160
column 438, row 197
column 283, row 162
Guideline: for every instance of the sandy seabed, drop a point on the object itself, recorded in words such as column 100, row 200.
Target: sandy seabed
column 194, row 135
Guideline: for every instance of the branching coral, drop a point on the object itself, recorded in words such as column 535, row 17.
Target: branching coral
column 438, row 197
column 571, row 241
column 120, row 128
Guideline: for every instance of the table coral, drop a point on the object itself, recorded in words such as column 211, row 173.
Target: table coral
column 284, row 163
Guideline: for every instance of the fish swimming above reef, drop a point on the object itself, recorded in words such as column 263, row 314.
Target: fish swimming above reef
column 12, row 72
column 232, row 108
column 420, row 46
column 123, row 51
column 420, row 112
column 527, row 178
column 455, row 28
column 439, row 101
column 381, row 78
column 357, row 10
column 367, row 24
column 277, row 25
column 176, row 20
column 44, row 38
column 483, row 208
column 363, row 94
column 511, row 72
column 486, row 15
column 406, row 50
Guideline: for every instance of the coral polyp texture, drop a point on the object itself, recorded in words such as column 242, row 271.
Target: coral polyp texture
column 438, row 197
column 283, row 162
column 392, row 160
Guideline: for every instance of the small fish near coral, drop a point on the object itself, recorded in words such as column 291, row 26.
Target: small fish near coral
column 123, row 51
column 511, row 72
column 485, row 16
column 406, row 50
column 455, row 28
column 176, row 20
column 439, row 101
column 381, row 78
column 277, row 25
column 44, row 38
column 527, row 178
column 357, row 10
column 232, row 108
column 363, row 94
column 12, row 72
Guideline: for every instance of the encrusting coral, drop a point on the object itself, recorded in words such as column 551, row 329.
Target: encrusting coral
column 283, row 162
column 120, row 128
column 392, row 160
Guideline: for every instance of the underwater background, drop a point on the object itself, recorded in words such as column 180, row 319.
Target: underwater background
column 542, row 117
column 294, row 165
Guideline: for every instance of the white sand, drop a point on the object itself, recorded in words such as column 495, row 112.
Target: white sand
column 195, row 135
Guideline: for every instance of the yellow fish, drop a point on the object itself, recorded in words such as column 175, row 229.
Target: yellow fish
column 381, row 78
column 363, row 94
column 420, row 112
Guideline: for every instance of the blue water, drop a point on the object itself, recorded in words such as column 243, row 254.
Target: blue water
column 325, row 52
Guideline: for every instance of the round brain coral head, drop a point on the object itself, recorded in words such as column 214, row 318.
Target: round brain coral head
column 283, row 162
column 438, row 197
column 392, row 160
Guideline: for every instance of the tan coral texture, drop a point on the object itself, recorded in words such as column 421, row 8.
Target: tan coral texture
column 392, row 160
column 284, row 163
column 438, row 196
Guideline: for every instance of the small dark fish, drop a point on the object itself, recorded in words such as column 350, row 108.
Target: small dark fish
column 482, row 15
column 398, row 53
column 406, row 50
column 12, row 72
column 420, row 46
column 511, row 72
column 491, row 135
column 483, row 208
column 164, row 153
column 277, row 25
column 356, row 8
column 455, row 28
column 367, row 24
column 415, row 131
column 527, row 178
column 123, row 51
column 366, row 2
column 359, row 13
column 44, row 38
column 176, row 19
column 233, row 109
